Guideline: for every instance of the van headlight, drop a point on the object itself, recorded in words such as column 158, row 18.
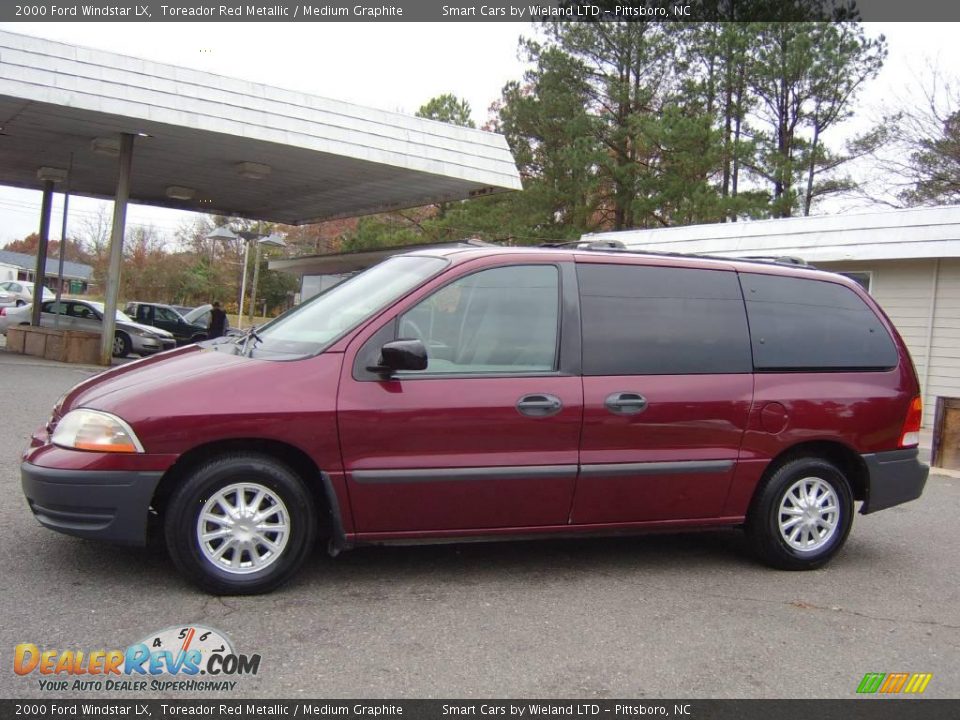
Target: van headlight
column 84, row 429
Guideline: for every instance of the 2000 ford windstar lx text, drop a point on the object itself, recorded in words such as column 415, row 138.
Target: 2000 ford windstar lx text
column 493, row 392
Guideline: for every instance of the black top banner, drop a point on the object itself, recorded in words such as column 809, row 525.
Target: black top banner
column 476, row 11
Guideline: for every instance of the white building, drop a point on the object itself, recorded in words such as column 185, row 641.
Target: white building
column 909, row 260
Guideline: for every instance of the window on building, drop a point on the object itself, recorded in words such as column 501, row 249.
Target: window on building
column 863, row 278
column 311, row 285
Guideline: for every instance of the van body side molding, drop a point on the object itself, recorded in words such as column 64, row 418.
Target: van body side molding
column 517, row 472
column 656, row 468
column 520, row 472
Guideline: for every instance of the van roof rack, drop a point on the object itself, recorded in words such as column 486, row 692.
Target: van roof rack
column 618, row 246
column 587, row 245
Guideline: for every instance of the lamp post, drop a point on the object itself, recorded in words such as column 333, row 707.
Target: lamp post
column 273, row 240
column 225, row 233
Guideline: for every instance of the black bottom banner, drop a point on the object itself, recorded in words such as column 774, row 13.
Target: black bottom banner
column 854, row 709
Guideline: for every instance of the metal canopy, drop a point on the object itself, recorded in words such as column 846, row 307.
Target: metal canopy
column 239, row 148
column 930, row 232
column 348, row 262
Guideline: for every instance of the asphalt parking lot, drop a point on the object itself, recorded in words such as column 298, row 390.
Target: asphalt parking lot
column 652, row 617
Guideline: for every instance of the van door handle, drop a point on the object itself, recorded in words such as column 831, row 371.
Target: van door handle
column 625, row 403
column 539, row 405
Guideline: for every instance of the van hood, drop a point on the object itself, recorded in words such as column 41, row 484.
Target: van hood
column 198, row 394
column 182, row 372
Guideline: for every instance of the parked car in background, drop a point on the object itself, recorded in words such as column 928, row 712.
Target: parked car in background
column 12, row 315
column 128, row 337
column 20, row 292
column 165, row 317
column 200, row 315
column 499, row 392
column 182, row 309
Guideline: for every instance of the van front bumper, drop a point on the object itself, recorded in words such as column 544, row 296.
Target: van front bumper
column 100, row 504
column 893, row 478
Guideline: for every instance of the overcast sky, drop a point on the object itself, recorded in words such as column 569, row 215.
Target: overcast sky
column 393, row 66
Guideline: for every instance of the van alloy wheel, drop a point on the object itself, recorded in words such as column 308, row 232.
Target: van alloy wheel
column 801, row 515
column 809, row 514
column 241, row 524
column 243, row 528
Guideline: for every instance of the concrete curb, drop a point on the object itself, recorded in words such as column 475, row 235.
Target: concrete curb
column 944, row 472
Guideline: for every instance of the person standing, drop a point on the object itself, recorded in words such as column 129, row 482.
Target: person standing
column 218, row 322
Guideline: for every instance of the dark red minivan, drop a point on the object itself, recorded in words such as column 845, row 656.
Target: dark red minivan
column 496, row 392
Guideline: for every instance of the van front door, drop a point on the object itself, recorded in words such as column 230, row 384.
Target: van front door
column 486, row 436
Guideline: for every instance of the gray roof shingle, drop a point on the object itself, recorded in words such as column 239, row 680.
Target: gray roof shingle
column 72, row 270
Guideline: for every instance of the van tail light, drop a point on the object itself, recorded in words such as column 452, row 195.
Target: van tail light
column 910, row 437
column 3, row 312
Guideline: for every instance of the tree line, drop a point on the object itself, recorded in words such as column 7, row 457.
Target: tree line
column 188, row 269
column 647, row 124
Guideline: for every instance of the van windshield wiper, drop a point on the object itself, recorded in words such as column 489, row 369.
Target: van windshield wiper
column 250, row 334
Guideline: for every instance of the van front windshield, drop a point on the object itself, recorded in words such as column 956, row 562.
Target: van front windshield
column 311, row 327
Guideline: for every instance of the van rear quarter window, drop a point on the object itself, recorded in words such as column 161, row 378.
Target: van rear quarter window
column 801, row 324
column 641, row 320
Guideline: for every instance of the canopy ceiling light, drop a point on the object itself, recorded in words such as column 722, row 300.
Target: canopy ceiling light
column 177, row 192
column 52, row 174
column 273, row 239
column 253, row 171
column 106, row 146
column 222, row 233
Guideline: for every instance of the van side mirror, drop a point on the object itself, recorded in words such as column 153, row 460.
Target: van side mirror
column 401, row 355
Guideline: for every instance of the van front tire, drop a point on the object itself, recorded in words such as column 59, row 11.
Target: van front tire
column 242, row 524
column 802, row 515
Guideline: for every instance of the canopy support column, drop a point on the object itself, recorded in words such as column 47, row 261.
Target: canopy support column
column 116, row 248
column 40, row 271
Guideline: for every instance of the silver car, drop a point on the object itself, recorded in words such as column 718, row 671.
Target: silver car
column 87, row 315
column 20, row 292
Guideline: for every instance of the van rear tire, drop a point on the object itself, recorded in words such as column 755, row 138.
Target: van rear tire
column 242, row 524
column 802, row 515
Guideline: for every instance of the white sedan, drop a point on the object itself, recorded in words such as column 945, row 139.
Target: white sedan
column 20, row 292
column 128, row 337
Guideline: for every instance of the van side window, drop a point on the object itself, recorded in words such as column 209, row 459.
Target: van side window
column 642, row 320
column 799, row 324
column 494, row 321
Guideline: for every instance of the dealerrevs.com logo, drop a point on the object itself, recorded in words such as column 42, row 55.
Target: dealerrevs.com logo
column 187, row 658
